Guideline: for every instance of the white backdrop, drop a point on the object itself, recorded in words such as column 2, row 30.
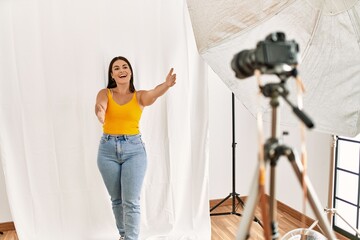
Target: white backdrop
column 54, row 59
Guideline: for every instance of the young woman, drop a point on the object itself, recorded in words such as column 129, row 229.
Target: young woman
column 122, row 156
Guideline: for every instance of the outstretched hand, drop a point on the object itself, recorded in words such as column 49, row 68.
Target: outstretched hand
column 100, row 113
column 171, row 78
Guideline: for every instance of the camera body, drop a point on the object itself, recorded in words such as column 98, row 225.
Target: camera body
column 274, row 55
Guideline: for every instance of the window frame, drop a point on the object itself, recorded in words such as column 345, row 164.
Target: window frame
column 336, row 198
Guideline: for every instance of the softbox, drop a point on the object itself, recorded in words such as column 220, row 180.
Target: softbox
column 328, row 34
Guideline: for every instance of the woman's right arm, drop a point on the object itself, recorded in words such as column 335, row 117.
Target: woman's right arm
column 101, row 105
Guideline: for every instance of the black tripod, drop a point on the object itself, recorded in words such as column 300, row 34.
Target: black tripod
column 233, row 194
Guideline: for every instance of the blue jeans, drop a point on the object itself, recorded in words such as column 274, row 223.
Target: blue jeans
column 122, row 163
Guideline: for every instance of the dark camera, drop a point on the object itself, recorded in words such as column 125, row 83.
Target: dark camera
column 274, row 55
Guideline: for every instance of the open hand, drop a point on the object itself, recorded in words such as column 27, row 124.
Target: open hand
column 171, row 78
column 100, row 113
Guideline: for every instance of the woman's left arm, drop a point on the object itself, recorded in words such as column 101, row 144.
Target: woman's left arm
column 147, row 98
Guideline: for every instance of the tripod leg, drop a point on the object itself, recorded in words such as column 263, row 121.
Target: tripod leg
column 241, row 202
column 273, row 203
column 220, row 202
column 352, row 227
column 313, row 200
column 249, row 210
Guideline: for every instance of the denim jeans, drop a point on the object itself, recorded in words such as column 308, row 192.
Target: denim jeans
column 122, row 163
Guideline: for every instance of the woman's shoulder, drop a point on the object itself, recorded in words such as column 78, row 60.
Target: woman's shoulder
column 103, row 92
column 139, row 92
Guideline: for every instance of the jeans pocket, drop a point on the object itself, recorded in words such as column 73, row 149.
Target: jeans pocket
column 103, row 139
column 136, row 141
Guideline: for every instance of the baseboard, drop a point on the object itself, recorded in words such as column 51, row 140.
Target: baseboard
column 296, row 214
column 7, row 226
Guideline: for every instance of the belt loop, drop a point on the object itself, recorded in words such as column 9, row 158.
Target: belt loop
column 107, row 137
column 126, row 137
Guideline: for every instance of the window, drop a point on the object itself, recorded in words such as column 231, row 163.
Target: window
column 347, row 186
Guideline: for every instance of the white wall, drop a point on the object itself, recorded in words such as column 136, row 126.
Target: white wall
column 288, row 189
column 5, row 214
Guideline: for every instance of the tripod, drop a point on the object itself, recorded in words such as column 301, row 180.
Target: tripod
column 273, row 150
column 233, row 194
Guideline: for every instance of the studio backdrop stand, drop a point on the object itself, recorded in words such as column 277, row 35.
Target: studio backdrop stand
column 233, row 195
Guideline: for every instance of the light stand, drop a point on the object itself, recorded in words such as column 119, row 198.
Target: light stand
column 233, row 194
column 333, row 212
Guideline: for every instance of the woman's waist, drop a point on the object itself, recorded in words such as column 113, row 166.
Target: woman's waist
column 121, row 129
column 125, row 137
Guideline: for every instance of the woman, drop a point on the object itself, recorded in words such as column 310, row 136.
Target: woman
column 122, row 156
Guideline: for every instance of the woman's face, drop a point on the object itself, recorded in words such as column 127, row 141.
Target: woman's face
column 121, row 72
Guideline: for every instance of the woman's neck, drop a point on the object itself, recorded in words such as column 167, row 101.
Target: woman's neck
column 122, row 89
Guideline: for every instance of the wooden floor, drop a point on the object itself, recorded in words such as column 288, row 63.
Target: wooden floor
column 10, row 235
column 224, row 227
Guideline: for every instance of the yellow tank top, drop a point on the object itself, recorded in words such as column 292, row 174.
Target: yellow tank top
column 122, row 119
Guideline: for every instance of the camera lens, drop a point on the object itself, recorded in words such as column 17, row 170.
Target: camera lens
column 243, row 63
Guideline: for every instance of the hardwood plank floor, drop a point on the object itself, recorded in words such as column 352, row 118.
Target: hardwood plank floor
column 224, row 227
column 9, row 235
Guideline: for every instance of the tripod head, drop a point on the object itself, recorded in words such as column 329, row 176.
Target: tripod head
column 274, row 90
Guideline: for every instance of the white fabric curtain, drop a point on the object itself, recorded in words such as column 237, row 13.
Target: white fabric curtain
column 54, row 60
